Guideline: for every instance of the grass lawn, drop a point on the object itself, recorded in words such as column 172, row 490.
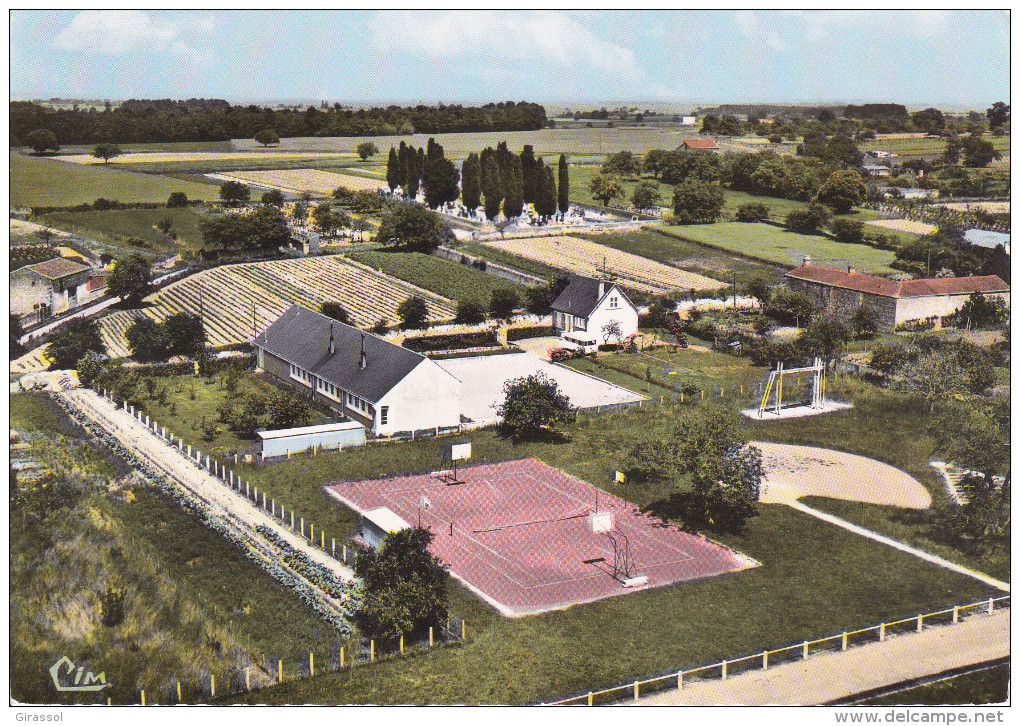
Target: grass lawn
column 815, row 579
column 507, row 259
column 987, row 686
column 635, row 383
column 686, row 255
column 31, row 413
column 47, row 183
column 782, row 246
column 211, row 166
column 444, row 277
column 166, row 146
column 116, row 225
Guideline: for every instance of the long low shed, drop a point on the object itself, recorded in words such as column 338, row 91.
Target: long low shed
column 323, row 436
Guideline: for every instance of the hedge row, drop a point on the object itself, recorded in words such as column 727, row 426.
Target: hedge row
column 534, row 331
column 452, row 341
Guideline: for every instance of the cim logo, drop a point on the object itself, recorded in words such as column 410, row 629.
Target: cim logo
column 82, row 680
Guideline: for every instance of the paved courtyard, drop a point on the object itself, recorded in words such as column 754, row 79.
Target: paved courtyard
column 482, row 380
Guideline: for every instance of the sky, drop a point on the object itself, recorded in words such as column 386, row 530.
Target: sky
column 918, row 58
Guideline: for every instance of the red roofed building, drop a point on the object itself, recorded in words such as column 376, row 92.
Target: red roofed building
column 840, row 293
column 699, row 146
column 49, row 288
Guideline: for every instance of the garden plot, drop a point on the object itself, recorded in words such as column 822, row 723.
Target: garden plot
column 236, row 300
column 590, row 258
column 482, row 379
column 298, row 181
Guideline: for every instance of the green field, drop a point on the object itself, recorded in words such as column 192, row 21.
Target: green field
column 166, row 146
column 211, row 166
column 47, row 183
column 926, row 145
column 117, row 225
column 702, row 260
column 782, row 246
column 444, row 277
column 987, row 686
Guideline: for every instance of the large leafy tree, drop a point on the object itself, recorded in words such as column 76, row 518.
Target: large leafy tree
column 43, row 140
column 405, row 587
column 842, row 191
column 413, row 313
column 623, row 163
column 366, row 149
column 645, row 195
column 605, row 188
column 532, row 406
column 413, row 227
column 335, row 310
column 234, row 192
column 697, row 202
column 106, row 152
column 998, row 114
column 726, row 472
column 130, row 279
column 825, row 338
column 73, row 342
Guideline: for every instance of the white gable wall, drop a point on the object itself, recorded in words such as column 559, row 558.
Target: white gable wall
column 625, row 313
column 427, row 397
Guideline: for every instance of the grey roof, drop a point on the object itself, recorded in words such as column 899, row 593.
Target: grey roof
column 986, row 238
column 581, row 296
column 301, row 336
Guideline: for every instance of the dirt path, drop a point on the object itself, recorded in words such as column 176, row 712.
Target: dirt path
column 830, row 676
column 223, row 500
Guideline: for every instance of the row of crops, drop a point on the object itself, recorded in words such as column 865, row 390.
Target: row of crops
column 589, row 258
column 235, row 301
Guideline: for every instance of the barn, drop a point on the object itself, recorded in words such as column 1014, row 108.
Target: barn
column 387, row 388
column 840, row 293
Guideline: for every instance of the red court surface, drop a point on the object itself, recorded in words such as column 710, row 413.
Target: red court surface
column 521, row 537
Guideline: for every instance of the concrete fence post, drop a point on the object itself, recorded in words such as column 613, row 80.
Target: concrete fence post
column 724, row 669
column 765, row 661
column 637, row 690
column 956, row 614
column 680, row 681
column 292, row 520
column 844, row 643
column 311, row 663
column 401, row 644
column 341, row 656
column 247, row 678
column 247, row 490
column 143, row 696
column 279, row 671
column 881, row 632
column 333, row 551
column 589, row 698
column 371, row 651
column 302, row 526
column 212, row 686
column 920, row 623
column 431, row 642
column 991, row 605
column 179, row 699
column 805, row 650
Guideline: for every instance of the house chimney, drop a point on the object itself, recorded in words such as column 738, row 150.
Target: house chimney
column 363, row 360
column 807, row 259
column 851, row 270
column 602, row 288
column 332, row 341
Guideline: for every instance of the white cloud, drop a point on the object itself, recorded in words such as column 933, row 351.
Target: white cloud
column 822, row 24
column 118, row 32
column 550, row 35
column 748, row 23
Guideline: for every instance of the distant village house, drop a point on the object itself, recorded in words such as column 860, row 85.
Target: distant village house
column 49, row 288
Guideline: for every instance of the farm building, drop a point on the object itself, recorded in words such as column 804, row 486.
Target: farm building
column 876, row 170
column 283, row 442
column 688, row 120
column 699, row 146
column 587, row 304
column 49, row 288
column 841, row 293
column 386, row 388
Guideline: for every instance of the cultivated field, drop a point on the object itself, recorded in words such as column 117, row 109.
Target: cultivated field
column 45, row 182
column 903, row 225
column 589, row 258
column 919, row 144
column 441, row 276
column 236, row 299
column 171, row 157
column 297, row 181
column 782, row 246
column 117, row 225
column 572, row 141
column 988, row 207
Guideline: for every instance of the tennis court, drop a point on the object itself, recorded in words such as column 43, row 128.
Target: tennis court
column 523, row 536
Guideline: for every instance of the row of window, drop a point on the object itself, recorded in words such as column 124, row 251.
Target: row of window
column 577, row 323
column 338, row 394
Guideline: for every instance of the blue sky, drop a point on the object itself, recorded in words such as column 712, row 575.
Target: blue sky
column 919, row 58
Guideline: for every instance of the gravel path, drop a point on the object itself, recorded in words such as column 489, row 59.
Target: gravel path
column 224, row 501
column 831, row 676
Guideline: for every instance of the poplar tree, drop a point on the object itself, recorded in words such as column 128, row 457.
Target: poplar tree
column 393, row 170
column 513, row 203
column 471, row 193
column 531, row 180
column 564, row 190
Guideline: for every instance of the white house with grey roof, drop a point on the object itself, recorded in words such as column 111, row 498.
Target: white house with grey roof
column 386, row 388
column 586, row 305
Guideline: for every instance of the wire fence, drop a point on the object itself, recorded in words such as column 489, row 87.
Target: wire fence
column 677, row 680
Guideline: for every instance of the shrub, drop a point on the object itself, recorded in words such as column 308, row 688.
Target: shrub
column 177, row 200
column 847, row 230
column 609, row 347
column 469, row 313
column 754, row 212
column 504, row 302
column 808, row 219
column 535, row 331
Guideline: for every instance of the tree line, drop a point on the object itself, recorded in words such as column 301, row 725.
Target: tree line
column 160, row 121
